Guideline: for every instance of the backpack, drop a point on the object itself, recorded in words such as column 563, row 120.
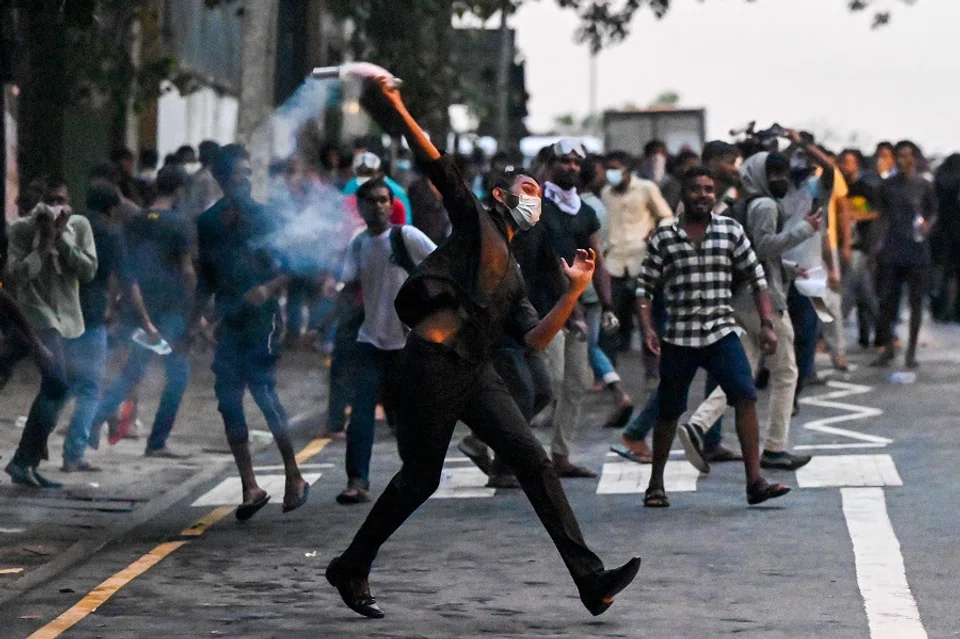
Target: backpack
column 741, row 209
column 399, row 256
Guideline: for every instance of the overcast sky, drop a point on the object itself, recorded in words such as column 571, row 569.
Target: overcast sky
column 804, row 63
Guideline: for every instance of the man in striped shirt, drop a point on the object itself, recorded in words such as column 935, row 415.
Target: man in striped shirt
column 695, row 260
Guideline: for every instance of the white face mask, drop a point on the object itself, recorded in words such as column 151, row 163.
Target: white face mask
column 614, row 177
column 527, row 211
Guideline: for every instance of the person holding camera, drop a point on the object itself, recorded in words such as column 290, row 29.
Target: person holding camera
column 52, row 252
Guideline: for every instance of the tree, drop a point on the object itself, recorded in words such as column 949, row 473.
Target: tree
column 77, row 52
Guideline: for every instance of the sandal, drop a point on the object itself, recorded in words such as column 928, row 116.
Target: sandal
column 655, row 498
column 764, row 490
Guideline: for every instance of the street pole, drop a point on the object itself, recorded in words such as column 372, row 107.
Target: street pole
column 257, row 88
column 503, row 79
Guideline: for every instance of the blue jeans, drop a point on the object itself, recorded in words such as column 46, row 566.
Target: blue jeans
column 602, row 366
column 804, row 319
column 86, row 362
column 370, row 367
column 138, row 364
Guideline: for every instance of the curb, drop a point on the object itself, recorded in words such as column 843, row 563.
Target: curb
column 84, row 549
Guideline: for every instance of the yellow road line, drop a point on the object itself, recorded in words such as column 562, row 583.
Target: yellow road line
column 208, row 520
column 104, row 591
column 108, row 588
column 312, row 449
column 10, row 571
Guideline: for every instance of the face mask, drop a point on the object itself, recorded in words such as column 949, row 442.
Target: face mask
column 614, row 177
column 779, row 188
column 526, row 211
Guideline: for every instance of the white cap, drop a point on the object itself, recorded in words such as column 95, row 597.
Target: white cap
column 366, row 159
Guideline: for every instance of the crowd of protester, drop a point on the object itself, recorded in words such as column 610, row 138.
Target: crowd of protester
column 838, row 236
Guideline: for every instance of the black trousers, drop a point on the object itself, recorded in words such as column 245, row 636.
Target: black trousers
column 891, row 278
column 46, row 407
column 435, row 388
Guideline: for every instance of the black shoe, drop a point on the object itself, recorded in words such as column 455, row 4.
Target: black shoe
column 354, row 589
column 783, row 461
column 43, row 481
column 691, row 438
column 503, row 480
column 22, row 475
column 475, row 452
column 597, row 591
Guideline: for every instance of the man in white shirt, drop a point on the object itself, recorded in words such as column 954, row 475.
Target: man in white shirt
column 635, row 208
column 378, row 262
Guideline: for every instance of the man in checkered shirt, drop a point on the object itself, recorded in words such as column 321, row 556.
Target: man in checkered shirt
column 695, row 259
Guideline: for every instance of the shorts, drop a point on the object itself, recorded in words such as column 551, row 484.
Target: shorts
column 725, row 360
column 248, row 348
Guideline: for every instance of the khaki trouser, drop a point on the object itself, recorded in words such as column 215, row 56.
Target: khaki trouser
column 783, row 380
column 834, row 333
column 570, row 373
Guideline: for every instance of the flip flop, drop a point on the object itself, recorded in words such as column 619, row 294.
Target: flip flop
column 626, row 453
column 299, row 502
column 655, row 498
column 762, row 491
column 246, row 511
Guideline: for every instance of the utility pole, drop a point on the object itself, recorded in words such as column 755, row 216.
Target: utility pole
column 257, row 87
column 503, row 78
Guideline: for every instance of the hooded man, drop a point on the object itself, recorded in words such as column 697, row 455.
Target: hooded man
column 764, row 178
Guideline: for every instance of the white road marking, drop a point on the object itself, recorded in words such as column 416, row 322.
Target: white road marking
column 628, row 477
column 263, row 469
column 881, row 576
column 229, row 491
column 12, row 531
column 837, row 446
column 675, row 451
column 853, row 412
column 831, row 471
column 463, row 483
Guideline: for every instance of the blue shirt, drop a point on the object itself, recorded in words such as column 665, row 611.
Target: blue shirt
column 233, row 257
column 157, row 242
column 111, row 260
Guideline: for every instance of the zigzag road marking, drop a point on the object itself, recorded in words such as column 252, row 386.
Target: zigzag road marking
column 853, row 412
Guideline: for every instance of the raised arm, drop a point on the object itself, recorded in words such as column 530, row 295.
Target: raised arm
column 381, row 98
column 77, row 250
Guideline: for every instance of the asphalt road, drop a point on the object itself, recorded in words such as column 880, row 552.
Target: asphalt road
column 865, row 546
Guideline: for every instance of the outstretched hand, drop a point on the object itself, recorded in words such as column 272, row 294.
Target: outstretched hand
column 581, row 271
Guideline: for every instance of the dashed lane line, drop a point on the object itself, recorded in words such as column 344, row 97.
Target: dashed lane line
column 99, row 595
